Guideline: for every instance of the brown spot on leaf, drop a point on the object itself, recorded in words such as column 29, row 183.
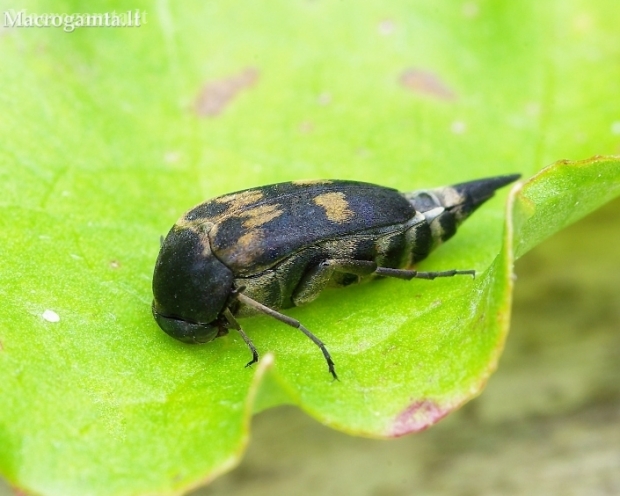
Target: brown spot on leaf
column 324, row 99
column 386, row 27
column 416, row 417
column 18, row 491
column 427, row 83
column 306, row 127
column 470, row 10
column 216, row 95
column 172, row 157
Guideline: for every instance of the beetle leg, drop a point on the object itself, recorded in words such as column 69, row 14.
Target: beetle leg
column 356, row 267
column 291, row 322
column 235, row 325
column 365, row 268
column 411, row 274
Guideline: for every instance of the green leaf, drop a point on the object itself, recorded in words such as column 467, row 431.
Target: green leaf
column 560, row 195
column 109, row 134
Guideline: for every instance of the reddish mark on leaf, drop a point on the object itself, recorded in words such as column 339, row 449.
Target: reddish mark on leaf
column 172, row 157
column 428, row 83
column 216, row 95
column 417, row 417
column 306, row 127
column 386, row 27
column 324, row 99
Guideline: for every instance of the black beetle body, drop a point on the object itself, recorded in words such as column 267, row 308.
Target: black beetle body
column 279, row 246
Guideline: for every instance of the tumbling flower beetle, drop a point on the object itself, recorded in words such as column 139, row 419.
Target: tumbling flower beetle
column 278, row 246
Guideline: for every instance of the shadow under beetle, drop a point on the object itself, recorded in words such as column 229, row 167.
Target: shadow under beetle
column 278, row 246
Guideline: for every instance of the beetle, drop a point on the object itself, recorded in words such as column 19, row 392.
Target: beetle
column 274, row 247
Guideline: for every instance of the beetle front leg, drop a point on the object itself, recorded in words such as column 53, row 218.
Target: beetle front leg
column 246, row 300
column 235, row 325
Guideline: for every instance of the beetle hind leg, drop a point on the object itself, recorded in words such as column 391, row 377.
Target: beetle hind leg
column 367, row 267
column 293, row 323
column 318, row 277
column 235, row 325
column 411, row 274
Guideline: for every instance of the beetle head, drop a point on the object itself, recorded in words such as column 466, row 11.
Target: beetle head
column 188, row 332
column 191, row 287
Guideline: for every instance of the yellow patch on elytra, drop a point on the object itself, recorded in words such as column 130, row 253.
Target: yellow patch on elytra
column 249, row 238
column 238, row 200
column 245, row 250
column 336, row 206
column 260, row 215
column 309, row 182
column 248, row 247
column 197, row 225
